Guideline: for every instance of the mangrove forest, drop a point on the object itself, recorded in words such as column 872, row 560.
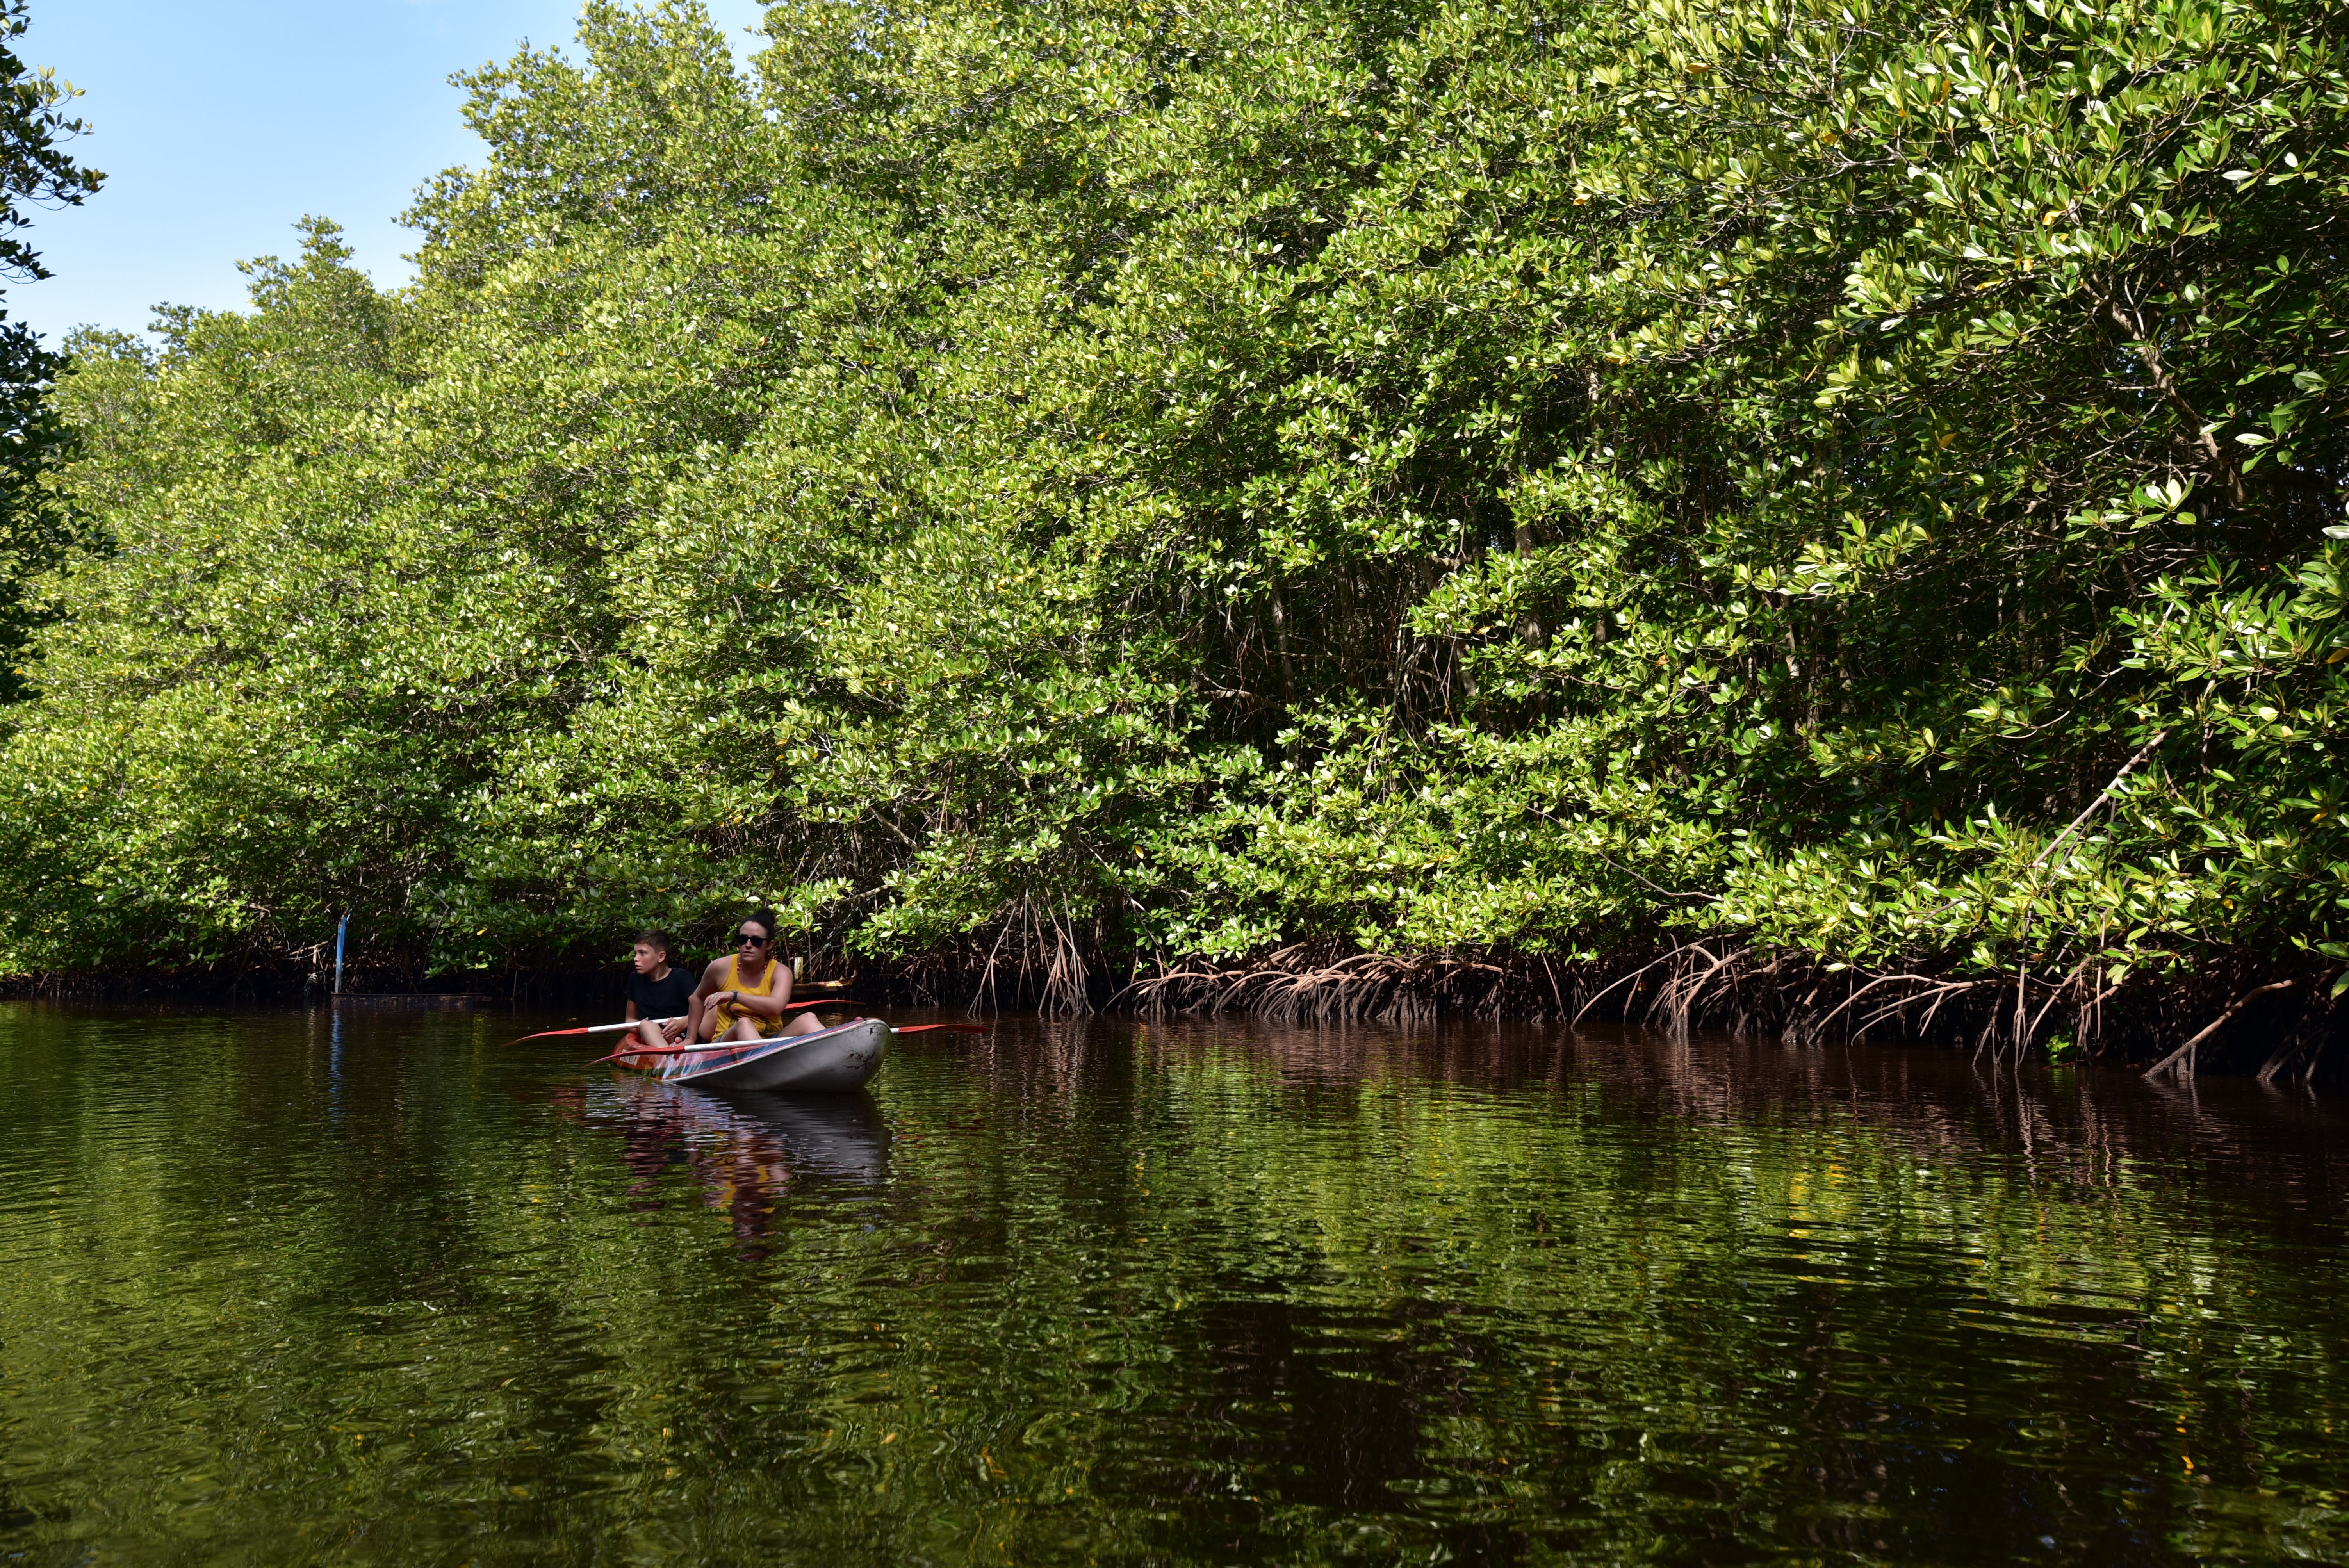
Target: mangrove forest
column 1822, row 517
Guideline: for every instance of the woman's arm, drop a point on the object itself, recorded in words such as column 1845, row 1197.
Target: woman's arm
column 767, row 1006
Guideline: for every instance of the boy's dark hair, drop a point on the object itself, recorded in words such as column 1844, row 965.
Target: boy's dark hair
column 652, row 938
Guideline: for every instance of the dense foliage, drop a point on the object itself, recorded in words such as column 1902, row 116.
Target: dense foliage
column 1500, row 478
column 34, row 172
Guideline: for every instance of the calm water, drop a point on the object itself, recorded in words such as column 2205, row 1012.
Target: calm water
column 1151, row 1293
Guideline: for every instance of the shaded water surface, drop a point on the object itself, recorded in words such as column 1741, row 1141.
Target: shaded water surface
column 276, row 1291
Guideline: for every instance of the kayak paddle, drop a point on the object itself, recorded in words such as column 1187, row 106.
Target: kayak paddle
column 736, row 1045
column 672, row 1050
column 609, row 1028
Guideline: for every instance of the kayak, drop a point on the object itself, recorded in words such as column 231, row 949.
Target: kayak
column 837, row 1060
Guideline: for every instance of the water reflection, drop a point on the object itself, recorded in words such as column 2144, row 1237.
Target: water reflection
column 745, row 1153
column 2286, row 1149
column 1153, row 1293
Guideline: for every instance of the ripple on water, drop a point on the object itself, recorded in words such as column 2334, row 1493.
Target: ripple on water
column 274, row 1288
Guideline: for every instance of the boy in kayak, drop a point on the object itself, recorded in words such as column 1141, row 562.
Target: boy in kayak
column 742, row 998
column 659, row 989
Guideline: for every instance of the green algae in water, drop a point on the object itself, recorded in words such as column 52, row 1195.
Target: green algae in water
column 273, row 1291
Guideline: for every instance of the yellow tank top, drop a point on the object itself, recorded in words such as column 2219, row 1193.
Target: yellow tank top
column 728, row 1013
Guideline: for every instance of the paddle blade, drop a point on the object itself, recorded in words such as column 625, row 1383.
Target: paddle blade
column 547, row 1034
column 957, row 1028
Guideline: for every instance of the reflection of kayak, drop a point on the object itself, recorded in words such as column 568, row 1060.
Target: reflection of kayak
column 837, row 1060
column 756, row 1138
column 839, row 1136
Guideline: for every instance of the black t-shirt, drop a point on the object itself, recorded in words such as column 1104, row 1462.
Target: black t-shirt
column 663, row 998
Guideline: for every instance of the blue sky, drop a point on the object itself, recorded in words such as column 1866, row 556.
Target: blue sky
column 219, row 124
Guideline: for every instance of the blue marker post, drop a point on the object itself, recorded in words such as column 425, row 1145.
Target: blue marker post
column 340, row 931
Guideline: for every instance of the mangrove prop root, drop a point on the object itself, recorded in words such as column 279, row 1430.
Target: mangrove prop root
column 1792, row 996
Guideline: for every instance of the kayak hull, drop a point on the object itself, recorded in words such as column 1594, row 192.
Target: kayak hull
column 838, row 1060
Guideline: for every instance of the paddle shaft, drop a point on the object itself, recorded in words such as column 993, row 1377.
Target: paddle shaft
column 737, row 1045
column 701, row 1050
column 608, row 1028
column 614, row 1028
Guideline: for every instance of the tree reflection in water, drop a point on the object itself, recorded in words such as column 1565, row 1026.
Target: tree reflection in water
column 1157, row 1290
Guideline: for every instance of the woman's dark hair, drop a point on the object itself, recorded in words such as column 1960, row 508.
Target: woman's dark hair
column 651, row 938
column 767, row 918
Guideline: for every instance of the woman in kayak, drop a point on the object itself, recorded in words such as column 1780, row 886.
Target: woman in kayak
column 741, row 997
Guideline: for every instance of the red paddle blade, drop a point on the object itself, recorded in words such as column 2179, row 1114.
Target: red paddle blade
column 548, row 1035
column 957, row 1028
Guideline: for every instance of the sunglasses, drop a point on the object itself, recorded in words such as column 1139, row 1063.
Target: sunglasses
column 745, row 939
